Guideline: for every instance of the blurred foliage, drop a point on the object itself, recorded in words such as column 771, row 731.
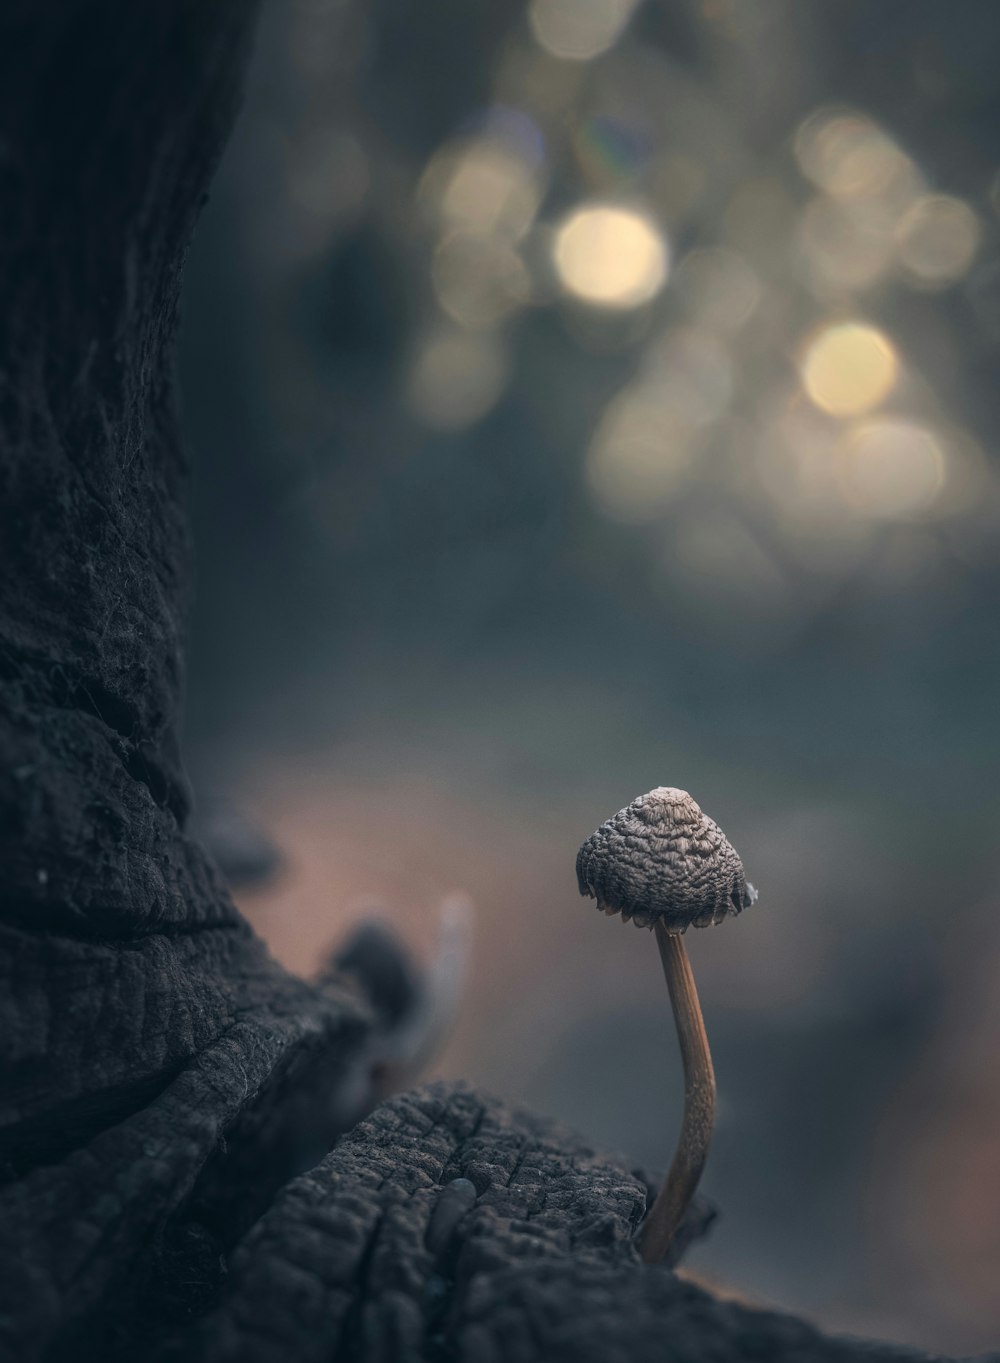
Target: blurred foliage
column 670, row 322
column 605, row 392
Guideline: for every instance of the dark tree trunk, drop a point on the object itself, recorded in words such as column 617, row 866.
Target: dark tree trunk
column 173, row 1182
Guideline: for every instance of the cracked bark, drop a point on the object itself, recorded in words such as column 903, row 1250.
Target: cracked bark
column 183, row 1174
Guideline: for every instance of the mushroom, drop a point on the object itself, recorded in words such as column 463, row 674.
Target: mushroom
column 665, row 865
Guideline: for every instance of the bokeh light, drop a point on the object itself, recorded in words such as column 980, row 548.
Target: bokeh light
column 329, row 176
column 937, row 240
column 693, row 374
column 758, row 220
column 610, row 256
column 794, row 464
column 612, row 151
column 843, row 246
column 479, row 280
column 891, row 469
column 530, row 77
column 578, row 30
column 484, row 185
column 456, row 378
column 847, row 155
column 849, row 368
column 720, row 287
column 678, row 183
column 640, row 454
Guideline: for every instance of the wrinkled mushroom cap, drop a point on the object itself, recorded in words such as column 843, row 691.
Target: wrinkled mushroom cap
column 662, row 858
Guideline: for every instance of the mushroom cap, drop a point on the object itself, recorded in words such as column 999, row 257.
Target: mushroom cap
column 661, row 858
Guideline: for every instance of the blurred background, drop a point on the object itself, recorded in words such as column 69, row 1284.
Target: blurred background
column 598, row 394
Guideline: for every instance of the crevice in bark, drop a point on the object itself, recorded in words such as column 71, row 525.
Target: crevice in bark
column 64, row 923
column 61, row 687
column 54, row 1134
column 352, row 1343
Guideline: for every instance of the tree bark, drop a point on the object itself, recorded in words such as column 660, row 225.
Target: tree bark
column 176, row 1177
column 142, row 1022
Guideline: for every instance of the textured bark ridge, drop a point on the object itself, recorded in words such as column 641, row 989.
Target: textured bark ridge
column 182, row 1172
column 142, row 1026
column 372, row 1256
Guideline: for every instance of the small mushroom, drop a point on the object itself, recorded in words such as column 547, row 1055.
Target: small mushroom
column 665, row 865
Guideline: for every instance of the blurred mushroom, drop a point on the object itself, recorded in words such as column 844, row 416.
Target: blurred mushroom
column 411, row 1048
column 414, row 1007
column 665, row 865
column 243, row 852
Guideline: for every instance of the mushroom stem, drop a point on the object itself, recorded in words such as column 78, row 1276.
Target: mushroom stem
column 671, row 1203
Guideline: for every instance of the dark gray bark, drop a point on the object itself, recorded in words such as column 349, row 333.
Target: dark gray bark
column 171, row 1100
column 142, row 1023
column 363, row 1257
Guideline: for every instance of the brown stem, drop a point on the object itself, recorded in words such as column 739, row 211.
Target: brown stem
column 668, row 1210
